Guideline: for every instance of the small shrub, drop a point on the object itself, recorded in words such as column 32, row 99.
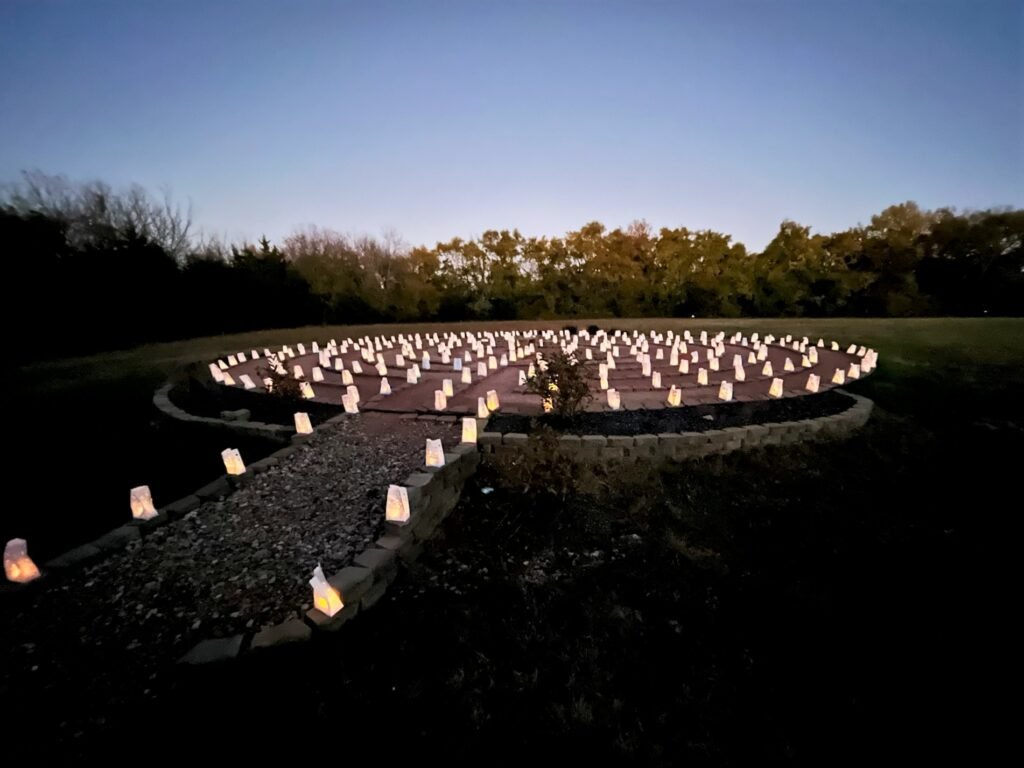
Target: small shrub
column 592, row 329
column 541, row 468
column 564, row 383
column 285, row 386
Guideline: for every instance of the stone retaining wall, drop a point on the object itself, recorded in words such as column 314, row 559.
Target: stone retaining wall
column 162, row 400
column 433, row 494
column 680, row 446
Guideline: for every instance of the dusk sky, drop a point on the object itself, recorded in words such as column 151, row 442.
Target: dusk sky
column 442, row 119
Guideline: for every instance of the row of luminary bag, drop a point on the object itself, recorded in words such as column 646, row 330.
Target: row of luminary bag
column 21, row 569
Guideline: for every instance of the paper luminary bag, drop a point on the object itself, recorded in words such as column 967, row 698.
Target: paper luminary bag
column 447, row 387
column 492, row 400
column 788, row 367
column 303, row 426
column 385, row 386
column 318, row 374
column 351, row 405
column 467, row 376
column 702, row 377
column 468, row 429
column 813, row 382
column 440, row 400
column 434, row 453
column 18, row 566
column 233, row 463
column 725, row 391
column 656, row 380
column 675, row 396
column 776, row 388
column 839, row 377
column 307, row 390
column 614, row 401
column 396, row 509
column 142, row 503
column 326, row 598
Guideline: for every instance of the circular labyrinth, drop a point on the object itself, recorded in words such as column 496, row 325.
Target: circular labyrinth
column 642, row 368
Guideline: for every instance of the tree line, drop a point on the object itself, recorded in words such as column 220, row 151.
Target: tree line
column 91, row 268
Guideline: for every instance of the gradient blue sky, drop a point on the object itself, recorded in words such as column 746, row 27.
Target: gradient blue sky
column 440, row 119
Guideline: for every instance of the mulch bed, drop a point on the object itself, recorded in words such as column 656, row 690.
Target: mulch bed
column 696, row 418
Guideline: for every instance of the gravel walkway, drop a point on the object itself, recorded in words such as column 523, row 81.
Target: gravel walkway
column 106, row 631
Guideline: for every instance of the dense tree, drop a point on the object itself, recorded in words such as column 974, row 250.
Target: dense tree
column 99, row 268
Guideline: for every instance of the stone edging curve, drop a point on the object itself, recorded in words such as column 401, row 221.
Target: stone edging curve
column 162, row 401
column 680, row 446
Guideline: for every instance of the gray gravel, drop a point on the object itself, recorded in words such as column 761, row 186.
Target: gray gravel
column 227, row 567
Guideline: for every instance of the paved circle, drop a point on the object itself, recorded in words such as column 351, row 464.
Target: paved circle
column 678, row 359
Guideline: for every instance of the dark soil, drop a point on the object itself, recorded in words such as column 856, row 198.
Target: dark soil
column 694, row 418
column 812, row 605
column 202, row 400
